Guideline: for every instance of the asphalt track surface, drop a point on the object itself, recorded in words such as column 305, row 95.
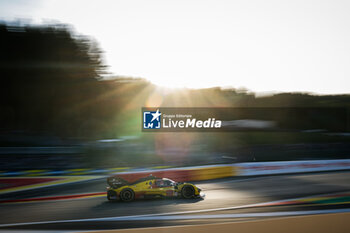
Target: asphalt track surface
column 233, row 199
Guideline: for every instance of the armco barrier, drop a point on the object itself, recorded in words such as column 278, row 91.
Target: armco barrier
column 210, row 173
column 270, row 168
column 175, row 174
column 183, row 174
column 241, row 169
column 197, row 173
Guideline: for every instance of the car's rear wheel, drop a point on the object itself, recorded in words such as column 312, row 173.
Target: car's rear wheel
column 127, row 195
column 111, row 195
column 187, row 192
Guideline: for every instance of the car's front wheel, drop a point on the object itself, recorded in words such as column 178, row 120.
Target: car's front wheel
column 127, row 195
column 187, row 191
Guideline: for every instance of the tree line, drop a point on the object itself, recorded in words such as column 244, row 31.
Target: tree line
column 52, row 81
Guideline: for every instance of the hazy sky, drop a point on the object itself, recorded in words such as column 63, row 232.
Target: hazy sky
column 261, row 45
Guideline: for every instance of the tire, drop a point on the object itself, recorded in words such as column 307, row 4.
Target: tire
column 111, row 194
column 127, row 195
column 187, row 192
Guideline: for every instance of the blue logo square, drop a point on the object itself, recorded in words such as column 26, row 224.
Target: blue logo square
column 152, row 120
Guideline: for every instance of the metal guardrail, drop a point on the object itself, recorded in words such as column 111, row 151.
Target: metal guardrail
column 207, row 172
column 40, row 150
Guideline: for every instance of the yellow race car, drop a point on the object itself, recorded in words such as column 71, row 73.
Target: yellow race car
column 149, row 187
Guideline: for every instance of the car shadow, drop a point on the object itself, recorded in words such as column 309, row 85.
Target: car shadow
column 146, row 203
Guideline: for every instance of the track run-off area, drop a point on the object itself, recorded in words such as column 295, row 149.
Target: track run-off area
column 82, row 205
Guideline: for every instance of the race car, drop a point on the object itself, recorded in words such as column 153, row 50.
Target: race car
column 149, row 187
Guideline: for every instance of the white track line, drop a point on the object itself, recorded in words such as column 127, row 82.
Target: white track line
column 186, row 217
column 135, row 217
